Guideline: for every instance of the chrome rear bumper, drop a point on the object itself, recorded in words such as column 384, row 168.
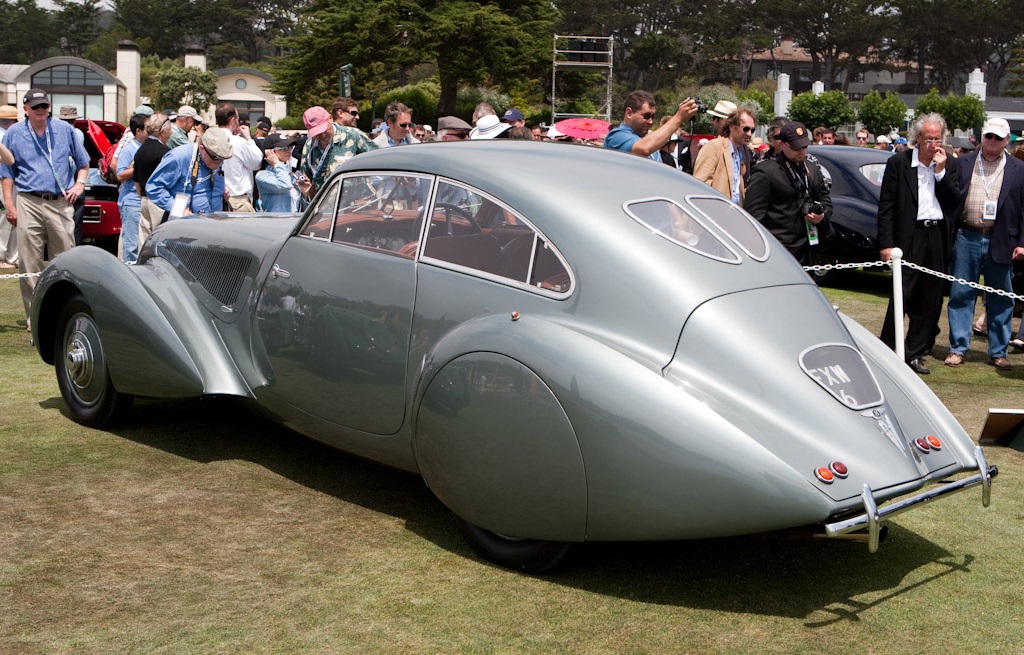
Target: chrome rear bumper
column 873, row 515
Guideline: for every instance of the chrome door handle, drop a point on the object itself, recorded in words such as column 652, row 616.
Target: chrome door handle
column 277, row 272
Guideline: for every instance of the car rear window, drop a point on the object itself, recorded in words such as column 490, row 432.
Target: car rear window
column 669, row 219
column 873, row 173
column 737, row 224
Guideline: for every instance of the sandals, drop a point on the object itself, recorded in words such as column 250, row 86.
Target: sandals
column 954, row 360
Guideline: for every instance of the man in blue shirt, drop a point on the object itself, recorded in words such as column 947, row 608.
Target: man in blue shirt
column 188, row 179
column 129, row 204
column 50, row 171
column 634, row 133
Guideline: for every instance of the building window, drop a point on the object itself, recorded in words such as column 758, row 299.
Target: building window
column 254, row 108
column 67, row 75
column 240, row 84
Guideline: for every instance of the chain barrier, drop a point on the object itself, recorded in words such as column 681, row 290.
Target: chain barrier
column 15, row 276
column 917, row 267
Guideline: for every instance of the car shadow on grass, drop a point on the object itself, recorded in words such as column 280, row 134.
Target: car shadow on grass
column 822, row 581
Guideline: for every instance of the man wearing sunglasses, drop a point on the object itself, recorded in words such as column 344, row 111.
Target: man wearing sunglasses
column 790, row 197
column 398, row 118
column 723, row 164
column 49, row 172
column 634, row 134
column 987, row 239
column 345, row 112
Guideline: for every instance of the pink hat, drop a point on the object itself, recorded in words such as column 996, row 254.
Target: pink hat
column 317, row 120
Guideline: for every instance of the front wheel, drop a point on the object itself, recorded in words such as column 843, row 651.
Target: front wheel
column 82, row 373
column 526, row 555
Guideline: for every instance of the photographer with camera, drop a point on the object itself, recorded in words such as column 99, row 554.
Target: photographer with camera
column 789, row 197
column 634, row 134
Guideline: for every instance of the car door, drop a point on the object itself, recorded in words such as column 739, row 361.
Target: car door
column 334, row 318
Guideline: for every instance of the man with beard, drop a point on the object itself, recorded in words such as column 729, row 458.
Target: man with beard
column 633, row 134
column 722, row 163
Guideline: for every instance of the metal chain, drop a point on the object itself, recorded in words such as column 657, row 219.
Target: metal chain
column 839, row 267
column 15, row 276
column 917, row 267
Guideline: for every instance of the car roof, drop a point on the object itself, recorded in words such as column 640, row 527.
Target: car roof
column 853, row 155
column 518, row 171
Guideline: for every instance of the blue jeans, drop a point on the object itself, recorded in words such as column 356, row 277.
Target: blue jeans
column 129, row 232
column 971, row 259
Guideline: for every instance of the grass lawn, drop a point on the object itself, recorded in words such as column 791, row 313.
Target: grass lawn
column 199, row 528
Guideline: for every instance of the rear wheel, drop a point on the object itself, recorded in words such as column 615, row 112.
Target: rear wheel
column 526, row 555
column 82, row 373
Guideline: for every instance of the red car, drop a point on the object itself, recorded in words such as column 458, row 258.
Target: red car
column 101, row 225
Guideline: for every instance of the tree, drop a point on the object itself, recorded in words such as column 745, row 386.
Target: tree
column 961, row 112
column 28, row 32
column 880, row 114
column 471, row 41
column 79, row 24
column 165, row 25
column 838, row 34
column 831, row 109
column 177, row 85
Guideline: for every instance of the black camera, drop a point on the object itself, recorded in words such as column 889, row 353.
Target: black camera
column 812, row 208
column 701, row 107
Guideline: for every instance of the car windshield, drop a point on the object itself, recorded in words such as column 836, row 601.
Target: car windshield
column 676, row 224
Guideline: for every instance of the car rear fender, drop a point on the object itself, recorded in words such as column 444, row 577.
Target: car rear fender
column 157, row 339
column 656, row 463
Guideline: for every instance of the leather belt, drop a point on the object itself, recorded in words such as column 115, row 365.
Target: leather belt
column 44, row 196
column 928, row 222
column 976, row 230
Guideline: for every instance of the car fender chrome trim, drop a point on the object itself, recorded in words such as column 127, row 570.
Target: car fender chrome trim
column 873, row 515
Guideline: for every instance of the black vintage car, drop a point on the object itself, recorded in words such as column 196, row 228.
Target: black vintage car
column 856, row 175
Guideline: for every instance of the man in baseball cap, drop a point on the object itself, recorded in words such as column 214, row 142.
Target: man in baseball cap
column 185, row 119
column 329, row 146
column 187, row 180
column 790, row 197
column 275, row 182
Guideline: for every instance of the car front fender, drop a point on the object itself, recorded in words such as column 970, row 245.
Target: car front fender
column 158, row 341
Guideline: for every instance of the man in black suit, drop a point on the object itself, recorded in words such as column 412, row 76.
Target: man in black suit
column 919, row 200
column 988, row 238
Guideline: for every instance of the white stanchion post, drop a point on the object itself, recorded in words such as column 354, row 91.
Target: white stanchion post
column 896, row 259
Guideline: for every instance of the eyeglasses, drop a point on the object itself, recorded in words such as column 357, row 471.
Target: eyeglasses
column 648, row 115
column 993, row 137
column 42, row 106
column 354, row 112
column 212, row 156
column 932, row 141
column 862, row 138
column 420, row 135
column 748, row 130
column 777, row 135
column 405, row 125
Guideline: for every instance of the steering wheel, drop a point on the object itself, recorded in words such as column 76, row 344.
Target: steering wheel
column 450, row 209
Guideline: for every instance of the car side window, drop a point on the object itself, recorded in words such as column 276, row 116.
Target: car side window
column 321, row 217
column 475, row 232
column 382, row 211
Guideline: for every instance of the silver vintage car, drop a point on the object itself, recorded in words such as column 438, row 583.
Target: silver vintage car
column 545, row 333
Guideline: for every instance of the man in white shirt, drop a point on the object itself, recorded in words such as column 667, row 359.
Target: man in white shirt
column 238, row 171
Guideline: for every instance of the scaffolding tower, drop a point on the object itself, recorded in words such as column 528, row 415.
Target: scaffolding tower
column 591, row 54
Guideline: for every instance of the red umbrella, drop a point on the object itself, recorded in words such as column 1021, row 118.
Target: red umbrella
column 583, row 128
